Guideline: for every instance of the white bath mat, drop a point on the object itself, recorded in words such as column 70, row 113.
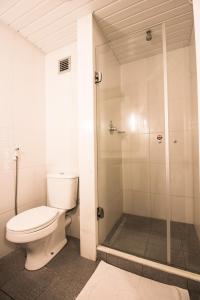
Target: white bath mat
column 111, row 283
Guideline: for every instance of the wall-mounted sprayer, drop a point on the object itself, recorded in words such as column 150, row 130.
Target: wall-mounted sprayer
column 16, row 158
column 16, row 153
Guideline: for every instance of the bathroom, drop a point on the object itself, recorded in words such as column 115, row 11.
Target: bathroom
column 103, row 94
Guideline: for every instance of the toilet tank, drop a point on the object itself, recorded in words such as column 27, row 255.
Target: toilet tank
column 62, row 190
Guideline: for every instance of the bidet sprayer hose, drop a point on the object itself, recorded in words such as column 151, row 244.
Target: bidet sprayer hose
column 16, row 159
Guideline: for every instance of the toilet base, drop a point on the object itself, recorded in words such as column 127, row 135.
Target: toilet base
column 40, row 252
column 35, row 261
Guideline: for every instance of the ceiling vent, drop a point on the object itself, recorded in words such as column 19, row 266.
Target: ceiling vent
column 64, row 64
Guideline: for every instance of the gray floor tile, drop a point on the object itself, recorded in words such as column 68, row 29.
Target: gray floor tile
column 10, row 265
column 191, row 244
column 176, row 244
column 177, row 281
column 29, row 285
column 67, row 264
column 142, row 224
column 63, row 289
column 102, row 255
column 178, row 258
column 124, row 264
column 157, row 240
column 192, row 262
column 194, row 286
column 182, row 230
column 4, row 296
column 156, row 252
column 130, row 246
column 62, row 278
column 194, row 296
column 70, row 280
column 155, row 274
column 159, row 227
column 146, row 237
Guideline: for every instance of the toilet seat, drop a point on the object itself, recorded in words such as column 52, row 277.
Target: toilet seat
column 32, row 224
column 33, row 219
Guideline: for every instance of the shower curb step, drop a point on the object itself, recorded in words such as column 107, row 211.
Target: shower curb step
column 150, row 272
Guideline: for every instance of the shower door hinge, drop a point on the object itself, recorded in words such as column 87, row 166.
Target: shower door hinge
column 98, row 77
column 100, row 213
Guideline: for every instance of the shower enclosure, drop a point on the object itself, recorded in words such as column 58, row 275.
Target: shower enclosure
column 147, row 129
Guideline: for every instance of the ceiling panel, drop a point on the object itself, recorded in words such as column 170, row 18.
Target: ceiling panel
column 51, row 24
column 128, row 27
column 162, row 10
column 43, row 8
column 19, row 9
column 67, row 19
column 132, row 11
column 6, row 5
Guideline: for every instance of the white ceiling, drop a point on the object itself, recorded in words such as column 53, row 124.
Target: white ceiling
column 51, row 24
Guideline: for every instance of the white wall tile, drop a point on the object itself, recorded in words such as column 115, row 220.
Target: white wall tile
column 22, row 123
column 6, row 246
column 157, row 147
column 157, row 178
column 137, row 203
column 142, row 86
column 182, row 209
column 181, row 179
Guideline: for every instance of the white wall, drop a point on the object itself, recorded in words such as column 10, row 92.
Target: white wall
column 62, row 118
column 143, row 120
column 22, row 123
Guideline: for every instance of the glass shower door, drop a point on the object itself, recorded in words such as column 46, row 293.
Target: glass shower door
column 109, row 158
column 131, row 155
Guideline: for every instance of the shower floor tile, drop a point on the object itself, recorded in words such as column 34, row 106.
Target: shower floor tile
column 146, row 237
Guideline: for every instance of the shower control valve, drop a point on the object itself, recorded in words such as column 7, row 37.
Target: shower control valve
column 159, row 138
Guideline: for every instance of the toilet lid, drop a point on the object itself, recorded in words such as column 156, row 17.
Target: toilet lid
column 32, row 219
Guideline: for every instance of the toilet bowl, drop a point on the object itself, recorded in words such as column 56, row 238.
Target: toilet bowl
column 42, row 230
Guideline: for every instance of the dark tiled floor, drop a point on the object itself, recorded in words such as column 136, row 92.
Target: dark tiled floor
column 66, row 275
column 146, row 237
column 63, row 278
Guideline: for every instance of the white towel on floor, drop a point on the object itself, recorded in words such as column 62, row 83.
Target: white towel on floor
column 111, row 283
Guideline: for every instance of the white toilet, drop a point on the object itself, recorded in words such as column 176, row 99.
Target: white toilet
column 41, row 230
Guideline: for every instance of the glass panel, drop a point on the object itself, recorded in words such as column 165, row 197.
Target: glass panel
column 183, row 142
column 131, row 157
column 137, row 147
column 109, row 140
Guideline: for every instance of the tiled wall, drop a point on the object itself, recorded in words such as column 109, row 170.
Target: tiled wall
column 62, row 119
column 180, row 130
column 22, row 123
column 143, row 121
column 109, row 145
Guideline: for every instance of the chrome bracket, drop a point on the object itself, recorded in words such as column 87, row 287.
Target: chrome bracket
column 98, row 77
